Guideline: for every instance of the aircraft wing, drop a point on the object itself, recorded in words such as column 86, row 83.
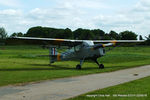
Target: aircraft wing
column 64, row 42
column 107, row 43
column 44, row 41
column 113, row 42
column 118, row 41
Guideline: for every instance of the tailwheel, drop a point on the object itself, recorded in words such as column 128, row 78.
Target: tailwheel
column 101, row 66
column 78, row 66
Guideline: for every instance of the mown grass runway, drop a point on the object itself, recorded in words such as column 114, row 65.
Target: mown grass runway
column 19, row 64
column 134, row 90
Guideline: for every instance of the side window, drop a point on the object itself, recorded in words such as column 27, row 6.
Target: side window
column 77, row 48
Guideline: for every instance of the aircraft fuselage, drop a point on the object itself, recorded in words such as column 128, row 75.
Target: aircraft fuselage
column 83, row 51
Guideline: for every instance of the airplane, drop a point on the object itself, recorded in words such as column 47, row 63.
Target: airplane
column 79, row 49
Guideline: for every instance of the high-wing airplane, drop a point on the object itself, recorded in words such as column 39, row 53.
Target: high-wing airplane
column 79, row 49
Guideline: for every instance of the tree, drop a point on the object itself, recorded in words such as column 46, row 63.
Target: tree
column 107, row 37
column 128, row 35
column 19, row 34
column 114, row 35
column 140, row 37
column 35, row 32
column 148, row 40
column 3, row 33
column 68, row 33
column 98, row 34
column 47, row 32
column 77, row 33
column 83, row 34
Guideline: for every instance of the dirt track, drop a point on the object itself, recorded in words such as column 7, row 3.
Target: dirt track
column 69, row 87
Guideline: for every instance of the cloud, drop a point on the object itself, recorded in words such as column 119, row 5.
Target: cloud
column 67, row 13
column 135, row 19
column 10, row 3
column 90, row 4
column 10, row 19
column 84, row 14
column 10, row 12
column 56, row 17
column 18, row 20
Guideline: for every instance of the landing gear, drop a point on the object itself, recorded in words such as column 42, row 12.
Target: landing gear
column 101, row 66
column 79, row 65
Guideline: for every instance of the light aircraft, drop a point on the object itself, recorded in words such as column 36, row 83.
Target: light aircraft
column 79, row 49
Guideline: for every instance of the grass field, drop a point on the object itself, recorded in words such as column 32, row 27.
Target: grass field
column 134, row 90
column 19, row 64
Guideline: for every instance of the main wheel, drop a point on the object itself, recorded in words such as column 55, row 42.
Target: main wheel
column 101, row 66
column 78, row 66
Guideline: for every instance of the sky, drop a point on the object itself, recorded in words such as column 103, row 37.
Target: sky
column 117, row 15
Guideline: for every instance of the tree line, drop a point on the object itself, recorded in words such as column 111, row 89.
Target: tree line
column 80, row 34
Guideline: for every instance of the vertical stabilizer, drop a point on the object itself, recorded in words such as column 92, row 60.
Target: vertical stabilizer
column 53, row 51
column 54, row 55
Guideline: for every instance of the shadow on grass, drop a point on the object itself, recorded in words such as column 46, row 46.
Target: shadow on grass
column 48, row 67
column 59, row 67
column 54, row 67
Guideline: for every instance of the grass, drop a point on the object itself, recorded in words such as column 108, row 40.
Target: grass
column 19, row 64
column 134, row 90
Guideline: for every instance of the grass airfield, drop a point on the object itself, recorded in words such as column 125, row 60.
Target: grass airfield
column 19, row 64
column 134, row 90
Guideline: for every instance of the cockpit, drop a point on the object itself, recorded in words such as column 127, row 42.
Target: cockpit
column 88, row 43
column 76, row 48
column 84, row 44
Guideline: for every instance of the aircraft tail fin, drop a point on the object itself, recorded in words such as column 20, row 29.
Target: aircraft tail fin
column 53, row 51
column 54, row 55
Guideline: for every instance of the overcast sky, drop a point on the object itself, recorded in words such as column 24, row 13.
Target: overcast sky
column 117, row 15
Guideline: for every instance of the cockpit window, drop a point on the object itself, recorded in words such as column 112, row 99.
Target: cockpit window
column 76, row 48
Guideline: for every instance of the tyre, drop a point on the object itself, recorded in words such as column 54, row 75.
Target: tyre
column 78, row 66
column 101, row 66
